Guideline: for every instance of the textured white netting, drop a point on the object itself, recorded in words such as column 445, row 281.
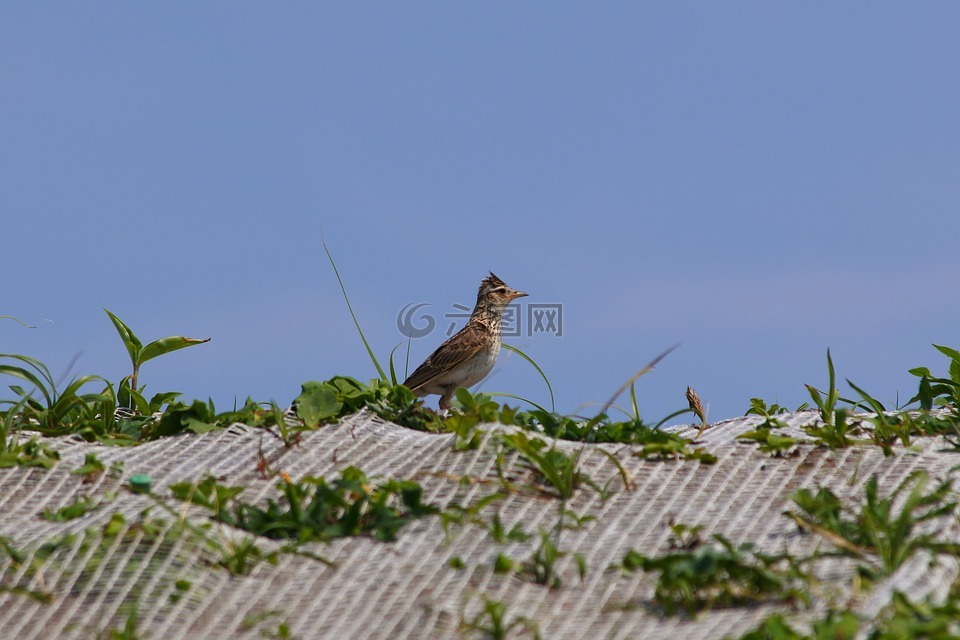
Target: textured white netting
column 408, row 588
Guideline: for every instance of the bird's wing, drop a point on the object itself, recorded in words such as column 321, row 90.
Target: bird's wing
column 451, row 354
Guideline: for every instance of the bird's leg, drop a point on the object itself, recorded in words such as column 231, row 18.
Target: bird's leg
column 445, row 399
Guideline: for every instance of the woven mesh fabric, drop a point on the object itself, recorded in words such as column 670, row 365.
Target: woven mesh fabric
column 408, row 588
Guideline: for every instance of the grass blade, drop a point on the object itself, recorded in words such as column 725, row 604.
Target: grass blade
column 616, row 394
column 539, row 370
column 393, row 372
column 383, row 375
column 28, row 326
column 500, row 394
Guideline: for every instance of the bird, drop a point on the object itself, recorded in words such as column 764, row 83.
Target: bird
column 468, row 356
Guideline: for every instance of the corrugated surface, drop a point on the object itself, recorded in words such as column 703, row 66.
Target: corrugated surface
column 407, row 589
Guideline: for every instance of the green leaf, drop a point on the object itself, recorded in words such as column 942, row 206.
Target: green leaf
column 130, row 340
column 166, row 345
column 317, row 402
column 953, row 354
column 198, row 426
column 393, row 371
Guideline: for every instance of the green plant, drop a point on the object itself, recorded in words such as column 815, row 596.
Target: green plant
column 877, row 532
column 200, row 417
column 324, row 402
column 541, row 566
column 77, row 509
column 826, row 401
column 685, row 536
column 55, row 411
column 313, row 509
column 492, row 622
column 835, row 430
column 718, row 575
column 455, row 514
column 905, row 619
column 129, row 630
column 240, row 556
column 931, row 424
column 282, row 631
column 147, row 545
column 838, row 625
column 18, row 558
column 759, row 408
column 936, row 391
column 768, row 440
column 657, row 443
column 902, row 619
column 16, row 452
column 91, row 469
column 501, row 535
column 140, row 354
column 835, row 434
column 552, row 466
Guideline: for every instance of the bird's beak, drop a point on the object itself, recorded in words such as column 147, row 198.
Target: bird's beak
column 518, row 294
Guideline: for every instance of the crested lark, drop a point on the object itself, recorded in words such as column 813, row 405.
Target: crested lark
column 468, row 356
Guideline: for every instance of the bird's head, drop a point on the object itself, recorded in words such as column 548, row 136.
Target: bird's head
column 494, row 292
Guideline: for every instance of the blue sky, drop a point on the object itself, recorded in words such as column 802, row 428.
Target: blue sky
column 756, row 181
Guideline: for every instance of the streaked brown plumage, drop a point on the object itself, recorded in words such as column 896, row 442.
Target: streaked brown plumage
column 468, row 356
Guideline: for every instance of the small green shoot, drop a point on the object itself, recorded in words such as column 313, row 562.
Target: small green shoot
column 281, row 632
column 129, row 630
column 758, row 407
column 72, row 511
column 91, row 469
column 492, row 623
column 140, row 354
column 826, row 401
column 685, row 536
column 541, row 566
column 769, row 441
